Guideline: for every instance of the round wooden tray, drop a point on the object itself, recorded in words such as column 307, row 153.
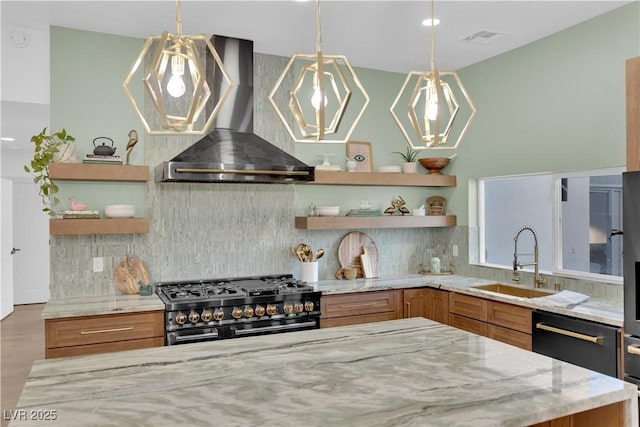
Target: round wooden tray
column 128, row 273
column 350, row 249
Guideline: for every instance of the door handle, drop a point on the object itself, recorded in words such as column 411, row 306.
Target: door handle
column 595, row 340
column 14, row 250
column 633, row 349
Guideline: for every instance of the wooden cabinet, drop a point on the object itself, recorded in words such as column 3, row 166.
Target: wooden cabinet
column 76, row 336
column 497, row 320
column 633, row 113
column 87, row 172
column 429, row 303
column 360, row 307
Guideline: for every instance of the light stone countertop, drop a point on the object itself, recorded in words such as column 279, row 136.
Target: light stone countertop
column 100, row 304
column 594, row 309
column 409, row 372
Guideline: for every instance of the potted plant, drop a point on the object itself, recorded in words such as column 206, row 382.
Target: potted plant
column 56, row 147
column 410, row 165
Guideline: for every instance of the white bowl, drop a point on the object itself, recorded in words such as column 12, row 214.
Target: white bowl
column 328, row 210
column 390, row 169
column 120, row 211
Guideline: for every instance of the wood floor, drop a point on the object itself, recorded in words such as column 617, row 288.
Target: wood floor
column 22, row 342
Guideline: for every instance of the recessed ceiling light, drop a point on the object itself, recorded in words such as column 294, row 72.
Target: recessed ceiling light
column 427, row 22
column 6, row 138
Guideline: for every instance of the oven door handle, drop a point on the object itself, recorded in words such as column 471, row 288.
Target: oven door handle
column 187, row 338
column 279, row 328
column 583, row 337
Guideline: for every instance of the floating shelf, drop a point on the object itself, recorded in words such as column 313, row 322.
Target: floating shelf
column 346, row 222
column 85, row 172
column 98, row 226
column 383, row 179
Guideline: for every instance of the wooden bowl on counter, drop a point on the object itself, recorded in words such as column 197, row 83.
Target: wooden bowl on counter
column 434, row 164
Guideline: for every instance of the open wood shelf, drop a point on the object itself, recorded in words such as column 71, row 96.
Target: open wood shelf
column 347, row 222
column 85, row 172
column 98, row 226
column 383, row 179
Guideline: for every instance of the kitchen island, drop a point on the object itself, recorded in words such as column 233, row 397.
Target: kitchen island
column 411, row 372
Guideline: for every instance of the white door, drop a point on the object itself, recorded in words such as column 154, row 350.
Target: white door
column 6, row 259
column 31, row 236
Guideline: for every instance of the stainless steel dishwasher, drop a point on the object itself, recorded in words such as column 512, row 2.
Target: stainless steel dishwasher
column 580, row 342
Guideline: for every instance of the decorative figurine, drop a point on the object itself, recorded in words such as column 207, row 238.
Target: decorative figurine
column 133, row 140
column 397, row 207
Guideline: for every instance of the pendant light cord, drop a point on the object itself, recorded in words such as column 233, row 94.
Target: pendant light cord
column 433, row 38
column 318, row 29
column 178, row 19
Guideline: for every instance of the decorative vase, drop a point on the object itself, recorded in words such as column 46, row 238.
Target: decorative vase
column 409, row 167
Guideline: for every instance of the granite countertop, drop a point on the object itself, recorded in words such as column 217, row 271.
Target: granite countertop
column 409, row 372
column 100, row 304
column 594, row 309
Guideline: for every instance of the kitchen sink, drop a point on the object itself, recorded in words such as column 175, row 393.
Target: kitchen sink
column 515, row 291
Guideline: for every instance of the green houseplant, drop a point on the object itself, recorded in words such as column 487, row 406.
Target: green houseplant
column 47, row 149
column 409, row 158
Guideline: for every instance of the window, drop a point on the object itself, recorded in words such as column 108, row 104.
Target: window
column 576, row 217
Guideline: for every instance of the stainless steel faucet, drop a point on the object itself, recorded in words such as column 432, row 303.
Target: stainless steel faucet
column 538, row 280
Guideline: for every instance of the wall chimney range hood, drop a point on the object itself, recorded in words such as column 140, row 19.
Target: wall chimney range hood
column 232, row 153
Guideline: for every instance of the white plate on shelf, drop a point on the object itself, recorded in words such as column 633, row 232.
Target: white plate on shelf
column 390, row 169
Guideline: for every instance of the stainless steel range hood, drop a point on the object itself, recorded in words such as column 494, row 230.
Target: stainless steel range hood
column 232, row 152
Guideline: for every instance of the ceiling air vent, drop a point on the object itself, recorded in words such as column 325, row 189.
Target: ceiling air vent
column 483, row 37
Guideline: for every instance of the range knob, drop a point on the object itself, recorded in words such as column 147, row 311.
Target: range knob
column 272, row 309
column 218, row 315
column 194, row 317
column 259, row 311
column 298, row 307
column 287, row 308
column 206, row 315
column 180, row 318
column 248, row 311
column 308, row 306
column 236, row 313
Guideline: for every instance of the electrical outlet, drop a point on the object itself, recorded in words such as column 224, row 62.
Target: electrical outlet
column 454, row 250
column 98, row 264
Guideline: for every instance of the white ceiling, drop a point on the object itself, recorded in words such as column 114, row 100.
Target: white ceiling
column 380, row 34
column 385, row 35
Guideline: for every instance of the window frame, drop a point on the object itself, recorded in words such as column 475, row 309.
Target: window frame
column 477, row 191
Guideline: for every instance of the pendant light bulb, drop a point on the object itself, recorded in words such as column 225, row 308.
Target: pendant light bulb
column 431, row 109
column 176, row 87
column 316, row 97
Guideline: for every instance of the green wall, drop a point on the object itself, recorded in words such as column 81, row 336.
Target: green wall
column 557, row 104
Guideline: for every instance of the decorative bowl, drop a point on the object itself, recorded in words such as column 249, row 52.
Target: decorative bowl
column 328, row 210
column 120, row 211
column 434, row 164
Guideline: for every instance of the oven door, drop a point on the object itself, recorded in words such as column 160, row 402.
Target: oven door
column 274, row 326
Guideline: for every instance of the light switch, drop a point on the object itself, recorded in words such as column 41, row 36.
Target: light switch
column 98, row 264
column 454, row 250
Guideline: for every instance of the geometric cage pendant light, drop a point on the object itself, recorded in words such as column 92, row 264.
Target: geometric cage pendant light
column 175, row 83
column 326, row 93
column 433, row 111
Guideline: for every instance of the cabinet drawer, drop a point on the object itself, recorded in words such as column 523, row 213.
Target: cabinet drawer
column 468, row 306
column 83, row 350
column 360, row 303
column 510, row 316
column 509, row 336
column 103, row 329
column 356, row 320
column 467, row 324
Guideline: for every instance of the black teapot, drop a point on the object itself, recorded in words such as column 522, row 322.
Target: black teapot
column 103, row 150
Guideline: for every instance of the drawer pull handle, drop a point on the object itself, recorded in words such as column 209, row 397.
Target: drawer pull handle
column 595, row 340
column 360, row 305
column 633, row 349
column 408, row 309
column 104, row 331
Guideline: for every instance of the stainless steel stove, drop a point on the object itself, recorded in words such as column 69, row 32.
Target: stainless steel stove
column 216, row 309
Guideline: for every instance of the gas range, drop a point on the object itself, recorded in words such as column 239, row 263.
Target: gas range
column 213, row 309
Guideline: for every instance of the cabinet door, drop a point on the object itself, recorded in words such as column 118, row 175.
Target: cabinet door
column 438, row 305
column 415, row 303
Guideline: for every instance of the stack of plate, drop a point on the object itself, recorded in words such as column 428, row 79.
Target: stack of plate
column 120, row 211
column 390, row 169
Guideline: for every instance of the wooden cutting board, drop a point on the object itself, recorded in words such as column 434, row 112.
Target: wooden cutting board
column 350, row 249
column 128, row 273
